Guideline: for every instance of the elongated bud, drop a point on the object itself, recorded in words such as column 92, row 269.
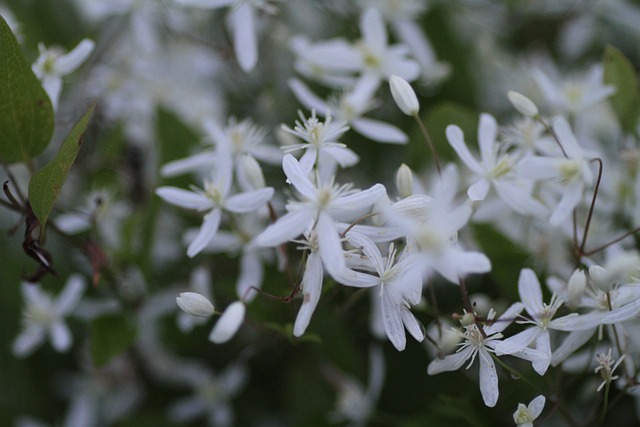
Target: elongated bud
column 252, row 172
column 404, row 96
column 575, row 287
column 229, row 323
column 600, row 278
column 404, row 181
column 195, row 304
column 523, row 104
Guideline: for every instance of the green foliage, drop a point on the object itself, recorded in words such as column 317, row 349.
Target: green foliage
column 26, row 114
column 619, row 72
column 110, row 336
column 47, row 182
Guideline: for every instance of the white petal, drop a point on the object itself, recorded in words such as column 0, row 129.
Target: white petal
column 373, row 30
column 251, row 274
column 518, row 341
column 200, row 161
column 455, row 136
column 564, row 133
column 478, row 191
column 286, row 228
column 570, row 344
column 530, row 292
column 249, row 201
column 183, row 198
column 71, row 61
column 307, row 97
column 570, row 199
column 330, row 246
column 311, row 289
column 622, row 314
column 229, row 323
column 60, row 336
column 505, row 319
column 368, row 248
column 361, row 199
column 488, row 379
column 392, row 321
column 30, row 339
column 245, row 39
column 517, row 197
column 412, row 324
column 537, row 167
column 536, row 406
column 297, row 176
column 70, row 295
column 206, row 233
column 53, row 86
column 345, row 157
column 452, row 362
column 487, row 131
column 379, row 131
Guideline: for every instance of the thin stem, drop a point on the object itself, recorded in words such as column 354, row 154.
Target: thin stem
column 427, row 137
column 606, row 245
column 593, row 205
column 605, row 401
column 515, row 372
column 553, row 134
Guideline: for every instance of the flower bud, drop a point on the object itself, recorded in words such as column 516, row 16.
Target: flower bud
column 404, row 96
column 467, row 319
column 252, row 172
column 600, row 278
column 195, row 304
column 523, row 104
column 404, row 181
column 575, row 287
column 229, row 323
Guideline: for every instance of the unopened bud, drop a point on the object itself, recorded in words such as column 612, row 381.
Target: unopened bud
column 404, row 96
column 229, row 323
column 467, row 319
column 523, row 104
column 252, row 172
column 575, row 287
column 195, row 304
column 404, row 181
column 600, row 278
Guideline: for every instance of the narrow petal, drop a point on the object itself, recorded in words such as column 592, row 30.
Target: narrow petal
column 517, row 197
column 530, row 292
column 565, row 135
column 307, row 97
column 570, row 344
column 479, row 190
column 392, row 321
column 206, row 233
column 249, row 201
column 488, row 379
column 368, row 248
column 251, row 274
column 71, row 61
column 373, row 30
column 60, row 336
column 361, row 199
column 30, row 339
column 245, row 40
column 536, row 406
column 345, row 157
column 505, row 319
column 229, row 323
column 311, row 289
column 518, row 341
column 412, row 324
column 487, row 131
column 286, row 228
column 455, row 136
column 70, row 295
column 329, row 245
column 297, row 176
column 200, row 161
column 379, row 131
column 183, row 198
column 570, row 199
column 452, row 362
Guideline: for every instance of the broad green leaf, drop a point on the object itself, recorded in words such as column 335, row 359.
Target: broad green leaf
column 619, row 72
column 45, row 185
column 26, row 115
column 110, row 336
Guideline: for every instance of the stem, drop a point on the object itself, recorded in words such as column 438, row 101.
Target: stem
column 606, row 245
column 605, row 401
column 553, row 134
column 427, row 137
column 515, row 372
column 593, row 205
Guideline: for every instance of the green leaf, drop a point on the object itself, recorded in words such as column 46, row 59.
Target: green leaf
column 26, row 115
column 45, row 185
column 110, row 336
column 619, row 72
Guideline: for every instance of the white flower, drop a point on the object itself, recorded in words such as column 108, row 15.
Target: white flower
column 526, row 415
column 404, row 96
column 571, row 172
column 44, row 316
column 397, row 284
column 477, row 343
column 53, row 64
column 215, row 198
column 229, row 323
column 350, row 107
column 495, row 169
column 318, row 204
column 195, row 304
